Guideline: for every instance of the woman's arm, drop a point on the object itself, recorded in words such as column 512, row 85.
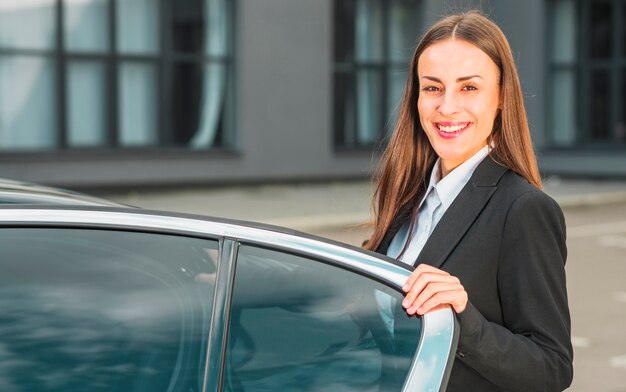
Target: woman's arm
column 532, row 351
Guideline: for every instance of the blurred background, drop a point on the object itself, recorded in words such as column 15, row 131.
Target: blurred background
column 113, row 93
column 274, row 111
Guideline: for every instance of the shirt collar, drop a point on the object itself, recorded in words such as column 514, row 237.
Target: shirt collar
column 450, row 186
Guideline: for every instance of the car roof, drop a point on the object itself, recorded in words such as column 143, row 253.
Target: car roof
column 19, row 192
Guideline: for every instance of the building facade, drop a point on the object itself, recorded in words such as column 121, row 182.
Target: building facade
column 164, row 92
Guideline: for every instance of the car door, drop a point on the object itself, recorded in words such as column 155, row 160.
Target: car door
column 129, row 300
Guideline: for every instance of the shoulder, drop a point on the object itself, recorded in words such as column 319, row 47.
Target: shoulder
column 521, row 194
column 510, row 188
column 528, row 209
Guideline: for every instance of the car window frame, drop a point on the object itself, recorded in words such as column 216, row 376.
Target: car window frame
column 439, row 328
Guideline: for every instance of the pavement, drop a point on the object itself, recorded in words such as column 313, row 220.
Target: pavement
column 325, row 205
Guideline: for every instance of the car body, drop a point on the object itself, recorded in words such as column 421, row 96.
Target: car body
column 107, row 298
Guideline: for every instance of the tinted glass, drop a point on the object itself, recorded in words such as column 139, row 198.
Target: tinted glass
column 88, row 310
column 85, row 24
column 201, row 26
column 137, row 104
column 28, row 110
column 86, row 90
column 302, row 325
column 601, row 29
column 137, row 26
column 27, row 24
column 601, row 126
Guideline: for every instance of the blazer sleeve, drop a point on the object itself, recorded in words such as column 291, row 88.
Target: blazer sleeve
column 532, row 350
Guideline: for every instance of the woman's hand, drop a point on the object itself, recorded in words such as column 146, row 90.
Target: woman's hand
column 429, row 287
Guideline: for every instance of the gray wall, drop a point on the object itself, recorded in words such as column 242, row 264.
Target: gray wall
column 283, row 112
column 283, row 115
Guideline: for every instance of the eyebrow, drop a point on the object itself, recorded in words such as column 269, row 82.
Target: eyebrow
column 461, row 79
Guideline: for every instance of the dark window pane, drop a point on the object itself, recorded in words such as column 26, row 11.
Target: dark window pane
column 201, row 26
column 623, row 20
column 404, row 29
column 344, row 30
column 620, row 132
column 186, row 91
column 103, row 310
column 344, row 108
column 601, row 37
column 301, row 325
column 601, row 126
column 198, row 98
column 188, row 25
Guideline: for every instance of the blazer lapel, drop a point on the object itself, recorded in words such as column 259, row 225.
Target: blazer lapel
column 461, row 214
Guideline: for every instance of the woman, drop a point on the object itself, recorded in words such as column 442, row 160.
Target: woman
column 459, row 197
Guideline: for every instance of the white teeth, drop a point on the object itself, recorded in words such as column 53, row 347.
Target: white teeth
column 453, row 128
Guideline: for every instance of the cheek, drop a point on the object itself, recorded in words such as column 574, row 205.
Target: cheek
column 424, row 109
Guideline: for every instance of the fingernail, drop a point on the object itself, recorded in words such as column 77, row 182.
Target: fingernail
column 405, row 303
column 405, row 287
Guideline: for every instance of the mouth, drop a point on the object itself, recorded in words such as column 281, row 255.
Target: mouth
column 449, row 130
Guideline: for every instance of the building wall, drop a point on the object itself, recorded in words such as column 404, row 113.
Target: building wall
column 283, row 114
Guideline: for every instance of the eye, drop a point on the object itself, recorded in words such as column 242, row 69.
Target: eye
column 430, row 88
column 469, row 87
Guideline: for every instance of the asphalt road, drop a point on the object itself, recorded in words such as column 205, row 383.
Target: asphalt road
column 596, row 273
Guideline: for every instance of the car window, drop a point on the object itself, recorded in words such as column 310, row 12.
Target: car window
column 302, row 325
column 98, row 310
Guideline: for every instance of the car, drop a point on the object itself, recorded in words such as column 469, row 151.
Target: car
column 109, row 298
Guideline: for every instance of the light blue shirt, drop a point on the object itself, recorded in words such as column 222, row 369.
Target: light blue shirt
column 440, row 194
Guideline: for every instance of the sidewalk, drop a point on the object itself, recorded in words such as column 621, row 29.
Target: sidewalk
column 313, row 206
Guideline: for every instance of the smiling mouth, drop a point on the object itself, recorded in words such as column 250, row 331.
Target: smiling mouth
column 452, row 128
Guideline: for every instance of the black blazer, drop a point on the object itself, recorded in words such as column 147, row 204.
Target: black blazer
column 505, row 240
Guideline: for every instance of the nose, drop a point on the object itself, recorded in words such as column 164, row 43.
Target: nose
column 449, row 103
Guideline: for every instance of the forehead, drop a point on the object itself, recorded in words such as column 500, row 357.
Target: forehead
column 455, row 58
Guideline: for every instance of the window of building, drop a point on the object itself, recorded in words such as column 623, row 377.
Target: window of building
column 587, row 73
column 374, row 41
column 112, row 74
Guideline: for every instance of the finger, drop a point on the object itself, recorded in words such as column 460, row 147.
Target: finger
column 422, row 268
column 423, row 281
column 456, row 299
column 433, row 289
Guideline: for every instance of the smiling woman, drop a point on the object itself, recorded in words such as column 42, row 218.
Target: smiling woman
column 459, row 101
column 459, row 198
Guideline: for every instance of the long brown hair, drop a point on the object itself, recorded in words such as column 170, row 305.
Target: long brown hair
column 408, row 159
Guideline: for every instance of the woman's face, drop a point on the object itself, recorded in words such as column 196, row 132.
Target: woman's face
column 458, row 100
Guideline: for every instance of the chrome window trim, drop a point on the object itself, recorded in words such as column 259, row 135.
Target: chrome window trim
column 218, row 332
column 438, row 328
